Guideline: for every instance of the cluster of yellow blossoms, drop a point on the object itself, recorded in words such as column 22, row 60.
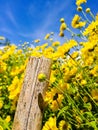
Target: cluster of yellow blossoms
column 72, row 95
column 76, row 23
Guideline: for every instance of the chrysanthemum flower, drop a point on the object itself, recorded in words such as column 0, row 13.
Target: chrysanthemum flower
column 37, row 40
column 1, row 128
column 56, row 43
column 94, row 94
column 63, row 125
column 47, row 36
column 8, row 118
column 50, row 124
column 79, row 2
column 76, row 23
column 63, row 26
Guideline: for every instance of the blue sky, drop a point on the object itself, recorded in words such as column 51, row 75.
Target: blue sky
column 28, row 20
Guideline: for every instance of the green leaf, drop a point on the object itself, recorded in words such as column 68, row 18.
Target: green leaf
column 93, row 125
column 88, row 106
column 6, row 106
column 62, row 111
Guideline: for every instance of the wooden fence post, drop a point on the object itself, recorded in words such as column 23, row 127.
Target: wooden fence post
column 28, row 115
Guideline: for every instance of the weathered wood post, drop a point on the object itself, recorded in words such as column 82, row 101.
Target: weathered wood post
column 28, row 115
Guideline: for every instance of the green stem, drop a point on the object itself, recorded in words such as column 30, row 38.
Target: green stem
column 72, row 33
column 87, row 93
column 86, row 17
column 91, row 14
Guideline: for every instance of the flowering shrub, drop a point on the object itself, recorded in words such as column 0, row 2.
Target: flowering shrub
column 71, row 101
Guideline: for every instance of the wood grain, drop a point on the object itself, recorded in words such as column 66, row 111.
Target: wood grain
column 28, row 115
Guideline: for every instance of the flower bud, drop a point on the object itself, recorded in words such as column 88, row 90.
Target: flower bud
column 62, row 20
column 79, row 8
column 56, row 43
column 87, row 10
column 63, row 26
column 41, row 77
column 61, row 34
column 53, row 67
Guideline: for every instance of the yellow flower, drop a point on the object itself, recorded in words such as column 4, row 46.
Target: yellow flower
column 81, row 24
column 62, row 50
column 72, row 43
column 1, row 128
column 83, row 82
column 44, row 46
column 75, row 54
column 50, row 124
column 8, row 118
column 37, row 40
column 63, row 125
column 1, row 52
column 76, row 23
column 13, row 106
column 75, row 20
column 41, row 77
column 79, row 2
column 15, row 71
column 94, row 94
column 56, row 43
column 49, row 96
column 92, row 29
column 64, row 86
column 47, row 36
column 9, row 51
column 73, row 71
column 3, row 66
column 56, row 103
column 79, row 76
column 5, row 56
column 48, row 52
column 54, row 106
column 63, row 26
column 14, row 88
column 52, row 77
column 1, row 103
column 19, row 52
